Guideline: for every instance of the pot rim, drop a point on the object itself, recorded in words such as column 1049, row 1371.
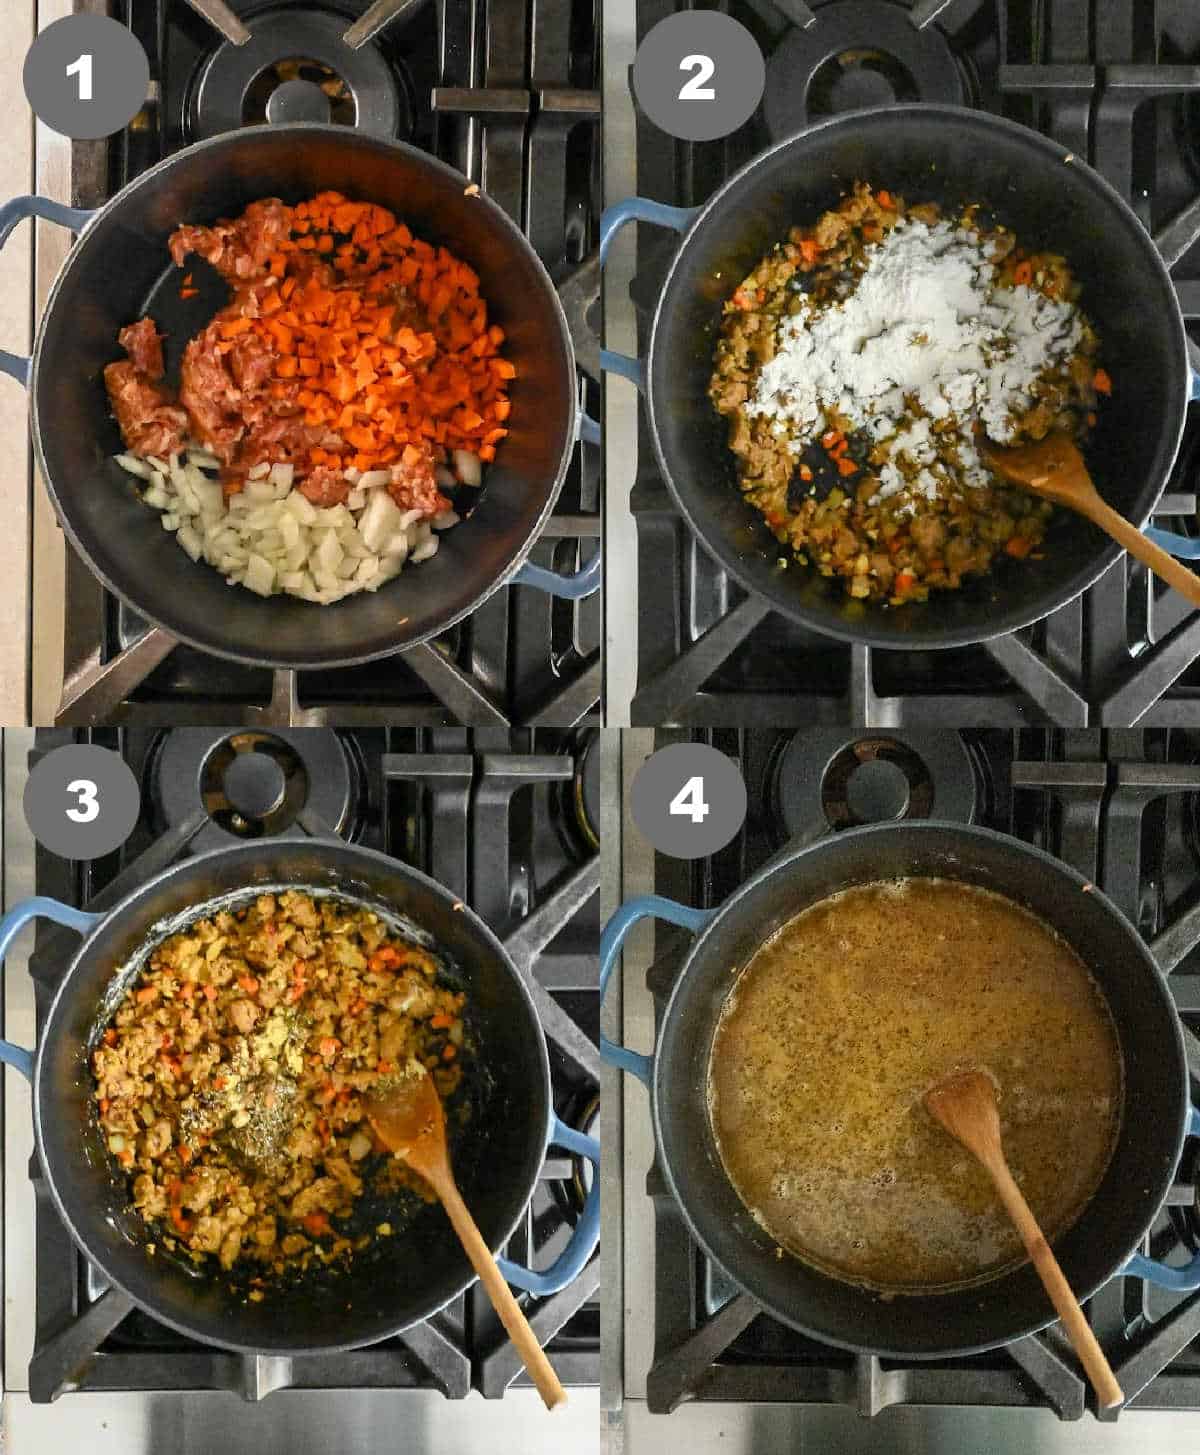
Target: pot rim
column 409, row 154
column 777, row 864
column 254, row 850
column 953, row 116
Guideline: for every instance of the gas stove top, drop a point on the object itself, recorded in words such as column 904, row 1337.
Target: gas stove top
column 508, row 821
column 505, row 91
column 1117, row 83
column 1124, row 809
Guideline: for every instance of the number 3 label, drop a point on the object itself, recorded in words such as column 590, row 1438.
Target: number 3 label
column 88, row 806
column 689, row 801
column 695, row 89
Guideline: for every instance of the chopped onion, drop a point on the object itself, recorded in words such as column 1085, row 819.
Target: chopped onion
column 469, row 467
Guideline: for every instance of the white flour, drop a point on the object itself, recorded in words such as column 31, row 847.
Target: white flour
column 926, row 321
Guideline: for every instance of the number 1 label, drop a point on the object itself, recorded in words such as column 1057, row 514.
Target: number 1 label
column 82, row 67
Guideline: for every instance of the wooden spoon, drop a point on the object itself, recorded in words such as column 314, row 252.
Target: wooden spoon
column 407, row 1115
column 1054, row 469
column 965, row 1104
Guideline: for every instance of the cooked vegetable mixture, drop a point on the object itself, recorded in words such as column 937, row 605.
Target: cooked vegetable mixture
column 861, row 364
column 230, row 1082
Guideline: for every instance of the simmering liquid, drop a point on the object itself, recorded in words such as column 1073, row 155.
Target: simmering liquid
column 839, row 1025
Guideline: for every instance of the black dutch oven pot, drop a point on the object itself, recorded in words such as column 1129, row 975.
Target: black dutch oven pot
column 1102, row 1244
column 397, row 1281
column 119, row 269
column 949, row 155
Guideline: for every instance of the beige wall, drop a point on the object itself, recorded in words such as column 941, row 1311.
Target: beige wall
column 16, row 175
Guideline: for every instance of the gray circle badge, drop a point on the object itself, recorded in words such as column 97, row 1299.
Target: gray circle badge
column 81, row 801
column 86, row 76
column 699, row 74
column 689, row 800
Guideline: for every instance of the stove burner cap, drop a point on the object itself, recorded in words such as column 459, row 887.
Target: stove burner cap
column 253, row 785
column 298, row 100
column 861, row 54
column 825, row 779
column 296, row 67
column 877, row 790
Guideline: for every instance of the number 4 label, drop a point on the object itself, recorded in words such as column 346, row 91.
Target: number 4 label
column 689, row 801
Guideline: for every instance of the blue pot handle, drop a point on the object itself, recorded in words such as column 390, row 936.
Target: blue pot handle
column 586, row 1237
column 571, row 587
column 11, row 926
column 1187, row 548
column 612, row 220
column 16, row 366
column 1181, row 1280
column 611, row 943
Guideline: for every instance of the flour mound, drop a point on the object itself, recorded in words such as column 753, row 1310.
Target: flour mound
column 926, row 322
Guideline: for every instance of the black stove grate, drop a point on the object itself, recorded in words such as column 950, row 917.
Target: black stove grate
column 1121, row 807
column 493, row 816
column 505, row 90
column 1118, row 83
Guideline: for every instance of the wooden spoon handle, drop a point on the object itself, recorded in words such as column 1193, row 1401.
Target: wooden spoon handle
column 1173, row 572
column 532, row 1354
column 1079, row 1331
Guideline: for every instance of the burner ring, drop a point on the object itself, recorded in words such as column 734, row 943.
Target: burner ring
column 823, row 779
column 237, row 85
column 854, row 56
column 254, row 784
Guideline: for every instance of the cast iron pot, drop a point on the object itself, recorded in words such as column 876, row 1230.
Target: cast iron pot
column 395, row 1282
column 120, row 269
column 949, row 155
column 1102, row 1244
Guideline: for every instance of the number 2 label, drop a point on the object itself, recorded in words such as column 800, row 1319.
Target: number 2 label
column 689, row 801
column 695, row 89
column 83, row 69
column 88, row 806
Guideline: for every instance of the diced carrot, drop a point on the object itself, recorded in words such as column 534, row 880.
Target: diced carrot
column 441, row 1021
column 248, row 983
column 1018, row 546
column 210, row 992
column 110, row 1036
column 105, row 1103
column 146, row 993
column 188, row 292
column 329, row 1046
column 448, row 1051
column 383, row 1067
column 1102, row 382
column 810, row 250
column 316, row 1223
column 830, row 438
column 884, row 198
column 1023, row 273
column 184, row 1153
column 806, row 472
column 905, row 580
column 846, row 465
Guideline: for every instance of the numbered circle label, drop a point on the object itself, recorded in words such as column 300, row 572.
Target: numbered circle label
column 81, row 801
column 86, row 76
column 699, row 74
column 688, row 800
